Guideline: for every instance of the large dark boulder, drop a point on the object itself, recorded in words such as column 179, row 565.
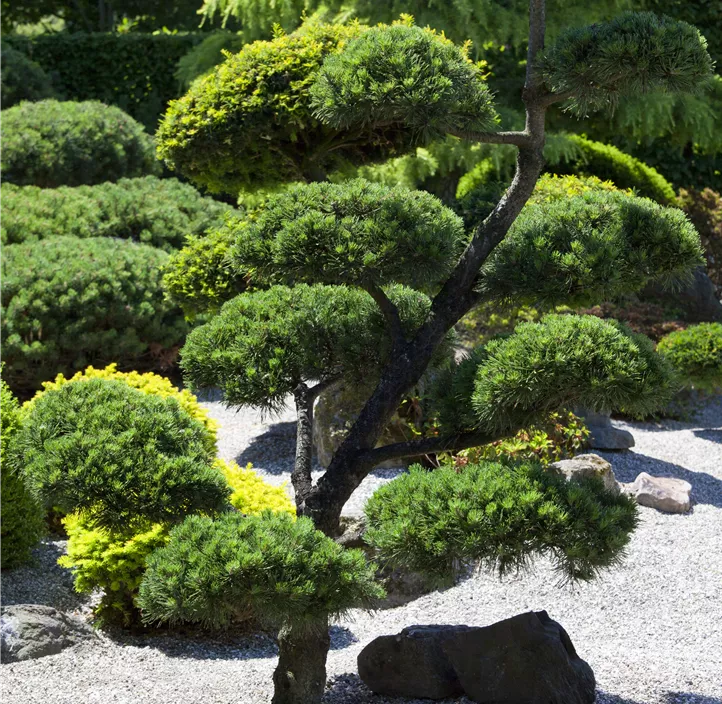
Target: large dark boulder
column 526, row 659
column 699, row 300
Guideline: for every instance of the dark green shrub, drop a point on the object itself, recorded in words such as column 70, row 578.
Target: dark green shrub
column 704, row 209
column 587, row 158
column 206, row 55
column 276, row 568
column 356, row 233
column 132, row 70
column 118, row 455
column 158, row 212
column 69, row 302
column 696, row 355
column 21, row 518
column 51, row 143
column 498, row 516
column 22, row 79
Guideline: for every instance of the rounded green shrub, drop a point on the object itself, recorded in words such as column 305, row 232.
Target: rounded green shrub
column 22, row 79
column 263, row 344
column 406, row 78
column 201, row 277
column 21, row 518
column 52, row 143
column 238, row 127
column 158, row 212
column 585, row 157
column 277, row 569
column 356, row 233
column 696, row 355
column 69, row 302
column 498, row 515
column 118, row 455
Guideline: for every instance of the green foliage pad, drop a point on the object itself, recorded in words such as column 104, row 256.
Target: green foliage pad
column 498, row 516
column 696, row 354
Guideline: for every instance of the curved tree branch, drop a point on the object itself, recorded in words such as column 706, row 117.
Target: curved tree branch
column 391, row 314
column 519, row 139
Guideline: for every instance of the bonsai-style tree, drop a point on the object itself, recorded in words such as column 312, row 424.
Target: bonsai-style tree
column 364, row 283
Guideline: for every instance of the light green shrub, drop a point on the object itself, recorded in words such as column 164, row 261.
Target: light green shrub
column 696, row 355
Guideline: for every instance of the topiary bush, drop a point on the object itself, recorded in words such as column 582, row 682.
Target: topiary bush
column 158, row 212
column 22, row 79
column 52, row 143
column 271, row 566
column 704, row 209
column 205, row 56
column 148, row 383
column 696, row 355
column 70, row 302
column 21, row 517
column 497, row 516
column 119, row 455
column 116, row 561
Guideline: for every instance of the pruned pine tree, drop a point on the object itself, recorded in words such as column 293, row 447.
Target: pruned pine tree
column 363, row 283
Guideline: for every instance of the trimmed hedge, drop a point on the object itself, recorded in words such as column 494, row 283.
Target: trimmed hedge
column 70, row 302
column 134, row 70
column 158, row 212
column 52, row 143
column 21, row 518
column 696, row 355
column 22, row 79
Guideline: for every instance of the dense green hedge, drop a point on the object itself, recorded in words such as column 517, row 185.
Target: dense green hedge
column 22, row 79
column 159, row 212
column 70, row 302
column 52, row 143
column 134, row 71
column 696, row 355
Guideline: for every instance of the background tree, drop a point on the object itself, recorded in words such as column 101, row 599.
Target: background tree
column 366, row 282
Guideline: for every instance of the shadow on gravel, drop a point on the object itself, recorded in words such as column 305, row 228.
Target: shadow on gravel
column 668, row 698
column 706, row 489
column 711, row 434
column 274, row 450
column 341, row 637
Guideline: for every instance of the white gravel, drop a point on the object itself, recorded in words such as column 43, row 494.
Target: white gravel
column 650, row 629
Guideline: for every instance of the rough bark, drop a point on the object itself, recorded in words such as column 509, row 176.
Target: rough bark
column 300, row 676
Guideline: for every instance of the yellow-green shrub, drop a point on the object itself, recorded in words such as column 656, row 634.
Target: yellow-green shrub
column 148, row 383
column 116, row 562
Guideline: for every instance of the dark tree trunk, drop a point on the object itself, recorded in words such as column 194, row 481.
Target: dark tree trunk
column 300, row 677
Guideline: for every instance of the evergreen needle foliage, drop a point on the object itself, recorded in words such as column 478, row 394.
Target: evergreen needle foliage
column 355, row 233
column 696, row 355
column 403, row 77
column 634, row 53
column 118, row 455
column 263, row 344
column 498, row 516
column 273, row 567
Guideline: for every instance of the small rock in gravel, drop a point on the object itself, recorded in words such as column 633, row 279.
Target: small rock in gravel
column 31, row 631
column 588, row 466
column 603, row 435
column 663, row 493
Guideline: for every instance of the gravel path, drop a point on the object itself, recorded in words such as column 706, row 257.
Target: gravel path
column 650, row 629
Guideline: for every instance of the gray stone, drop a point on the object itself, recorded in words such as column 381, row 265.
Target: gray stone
column 663, row 493
column 588, row 466
column 699, row 300
column 602, row 434
column 526, row 659
column 30, row 631
column 411, row 664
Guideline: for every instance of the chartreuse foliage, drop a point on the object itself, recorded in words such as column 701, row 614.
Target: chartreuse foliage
column 21, row 518
column 51, row 143
column 263, row 344
column 272, row 567
column 70, row 302
column 498, row 516
column 148, row 383
column 590, row 248
column 22, row 79
column 403, row 77
column 118, row 455
column 354, row 233
column 115, row 561
column 631, row 54
column 248, row 124
column 696, row 355
column 158, row 212
column 201, row 276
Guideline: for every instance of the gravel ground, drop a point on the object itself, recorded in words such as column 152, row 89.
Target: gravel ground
column 650, row 629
